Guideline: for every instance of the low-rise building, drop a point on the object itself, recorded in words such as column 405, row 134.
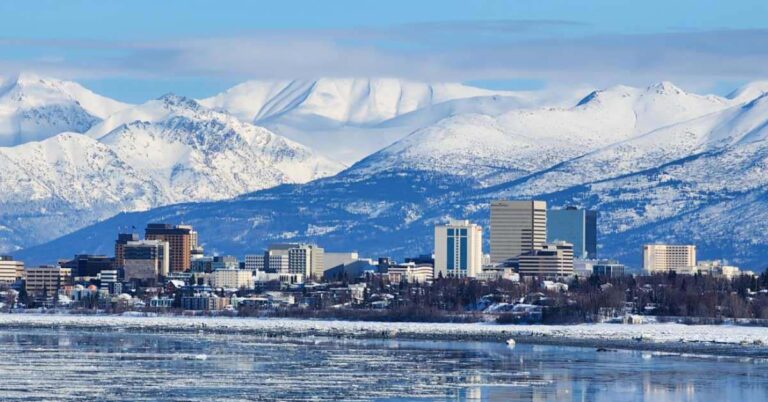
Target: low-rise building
column 232, row 278
column 47, row 279
column 547, row 260
column 411, row 272
column 608, row 268
column 10, row 269
column 204, row 302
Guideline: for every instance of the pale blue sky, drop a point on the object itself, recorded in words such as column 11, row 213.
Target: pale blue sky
column 135, row 50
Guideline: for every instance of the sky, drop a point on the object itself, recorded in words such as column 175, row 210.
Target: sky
column 137, row 50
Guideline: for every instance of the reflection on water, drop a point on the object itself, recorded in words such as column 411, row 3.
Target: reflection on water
column 54, row 365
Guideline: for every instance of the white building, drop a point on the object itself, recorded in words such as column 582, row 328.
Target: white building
column 663, row 258
column 411, row 272
column 517, row 227
column 231, row 278
column 458, row 249
column 336, row 259
column 549, row 260
column 10, row 269
column 304, row 259
column 146, row 259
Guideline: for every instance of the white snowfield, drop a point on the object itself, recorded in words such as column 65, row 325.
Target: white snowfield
column 646, row 334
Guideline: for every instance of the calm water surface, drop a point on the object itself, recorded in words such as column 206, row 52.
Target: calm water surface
column 73, row 365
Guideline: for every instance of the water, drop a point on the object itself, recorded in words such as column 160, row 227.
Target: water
column 56, row 365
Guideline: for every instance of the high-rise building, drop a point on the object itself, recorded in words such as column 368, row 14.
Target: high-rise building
column 575, row 226
column 662, row 258
column 181, row 239
column 10, row 269
column 122, row 240
column 516, row 228
column 146, row 260
column 548, row 260
column 458, row 249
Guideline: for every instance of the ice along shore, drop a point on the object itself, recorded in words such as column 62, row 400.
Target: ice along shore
column 719, row 340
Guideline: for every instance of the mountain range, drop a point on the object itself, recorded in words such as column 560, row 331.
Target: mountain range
column 658, row 163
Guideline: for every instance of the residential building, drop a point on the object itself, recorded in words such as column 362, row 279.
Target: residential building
column 86, row 266
column 458, row 249
column 517, row 227
column 548, row 260
column 10, row 269
column 46, row 279
column 122, row 240
column 608, row 268
column 146, row 260
column 208, row 302
column 575, row 226
column 231, row 278
column 663, row 258
column 181, row 240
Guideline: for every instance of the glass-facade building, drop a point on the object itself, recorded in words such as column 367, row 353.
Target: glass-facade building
column 575, row 226
column 458, row 249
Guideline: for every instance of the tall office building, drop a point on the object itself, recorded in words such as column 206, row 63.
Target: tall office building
column 146, row 260
column 662, row 258
column 575, row 226
column 122, row 239
column 255, row 262
column 181, row 239
column 516, row 228
column 458, row 249
column 548, row 260
column 10, row 269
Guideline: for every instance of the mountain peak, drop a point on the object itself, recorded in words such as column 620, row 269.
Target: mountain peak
column 173, row 100
column 665, row 87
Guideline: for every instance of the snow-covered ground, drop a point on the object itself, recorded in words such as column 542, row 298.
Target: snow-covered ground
column 713, row 339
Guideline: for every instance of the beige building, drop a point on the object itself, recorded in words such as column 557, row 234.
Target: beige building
column 411, row 273
column 181, row 241
column 231, row 278
column 458, row 249
column 548, row 260
column 663, row 258
column 10, row 269
column 46, row 278
column 517, row 227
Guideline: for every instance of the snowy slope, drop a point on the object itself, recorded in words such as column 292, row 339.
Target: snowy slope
column 348, row 119
column 342, row 101
column 34, row 108
column 188, row 153
column 495, row 149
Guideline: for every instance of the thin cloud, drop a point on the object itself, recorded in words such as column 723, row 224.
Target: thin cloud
column 553, row 51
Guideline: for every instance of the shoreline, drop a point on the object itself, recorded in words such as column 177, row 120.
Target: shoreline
column 712, row 340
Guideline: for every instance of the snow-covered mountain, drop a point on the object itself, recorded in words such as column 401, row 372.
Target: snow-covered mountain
column 496, row 149
column 348, row 119
column 658, row 163
column 33, row 108
column 165, row 151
